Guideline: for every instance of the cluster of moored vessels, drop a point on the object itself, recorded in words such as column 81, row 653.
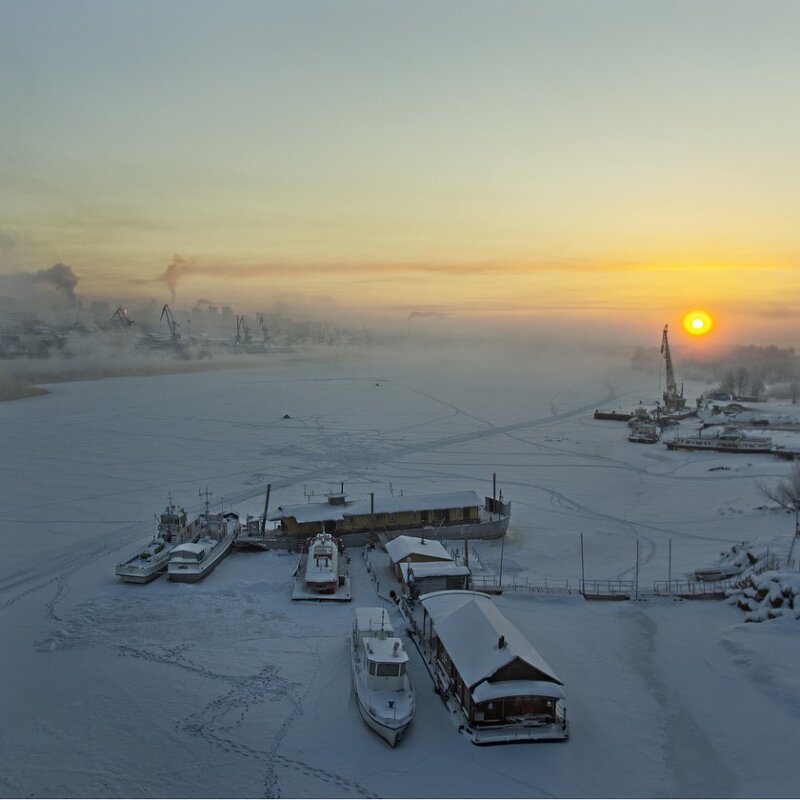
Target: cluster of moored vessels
column 185, row 551
column 188, row 551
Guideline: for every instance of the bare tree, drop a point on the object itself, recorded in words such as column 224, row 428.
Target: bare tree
column 786, row 494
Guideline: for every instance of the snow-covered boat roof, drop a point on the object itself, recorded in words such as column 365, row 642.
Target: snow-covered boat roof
column 373, row 619
column 433, row 569
column 321, row 512
column 404, row 546
column 190, row 547
column 469, row 626
column 384, row 649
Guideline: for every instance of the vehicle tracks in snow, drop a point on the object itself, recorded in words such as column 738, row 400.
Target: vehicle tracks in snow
column 99, row 545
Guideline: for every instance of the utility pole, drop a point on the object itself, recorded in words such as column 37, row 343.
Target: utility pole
column 636, row 573
column 583, row 571
column 669, row 569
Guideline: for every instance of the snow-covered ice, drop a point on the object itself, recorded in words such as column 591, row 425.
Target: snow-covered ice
column 227, row 688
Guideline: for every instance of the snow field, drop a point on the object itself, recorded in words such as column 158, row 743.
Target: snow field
column 227, row 688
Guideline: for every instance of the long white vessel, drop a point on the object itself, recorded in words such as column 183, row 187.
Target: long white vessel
column 322, row 564
column 730, row 440
column 151, row 560
column 212, row 541
column 379, row 666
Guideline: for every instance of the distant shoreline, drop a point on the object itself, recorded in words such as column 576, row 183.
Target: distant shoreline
column 26, row 381
column 19, row 390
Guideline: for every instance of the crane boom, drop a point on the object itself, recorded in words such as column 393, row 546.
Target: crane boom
column 171, row 323
column 673, row 399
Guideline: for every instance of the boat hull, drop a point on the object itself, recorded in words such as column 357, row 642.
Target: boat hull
column 391, row 731
column 719, row 448
column 192, row 574
column 138, row 577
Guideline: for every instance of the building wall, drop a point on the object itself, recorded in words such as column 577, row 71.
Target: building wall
column 360, row 523
column 499, row 710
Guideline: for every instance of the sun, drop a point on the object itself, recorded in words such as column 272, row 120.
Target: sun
column 698, row 323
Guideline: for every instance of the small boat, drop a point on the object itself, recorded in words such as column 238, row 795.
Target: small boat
column 151, row 561
column 322, row 564
column 379, row 666
column 644, row 431
column 212, row 541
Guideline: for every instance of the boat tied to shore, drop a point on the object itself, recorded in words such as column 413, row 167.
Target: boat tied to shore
column 151, row 561
column 729, row 440
column 212, row 540
column 379, row 667
column 322, row 564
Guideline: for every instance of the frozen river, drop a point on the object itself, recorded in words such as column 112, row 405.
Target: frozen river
column 227, row 688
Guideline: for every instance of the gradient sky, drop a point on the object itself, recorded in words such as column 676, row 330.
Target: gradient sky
column 576, row 160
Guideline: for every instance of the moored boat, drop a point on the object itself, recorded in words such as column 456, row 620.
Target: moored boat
column 379, row 667
column 322, row 564
column 151, row 561
column 644, row 431
column 729, row 440
column 212, row 541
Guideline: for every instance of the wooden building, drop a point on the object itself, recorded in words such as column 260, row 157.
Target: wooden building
column 414, row 549
column 423, row 577
column 504, row 688
column 341, row 516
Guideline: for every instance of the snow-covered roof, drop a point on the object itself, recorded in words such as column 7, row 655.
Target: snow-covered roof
column 373, row 619
column 404, row 546
column 189, row 547
column 320, row 512
column 492, row 691
column 383, row 649
column 469, row 626
column 433, row 569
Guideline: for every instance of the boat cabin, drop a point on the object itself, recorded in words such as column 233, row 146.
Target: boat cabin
column 191, row 552
column 382, row 654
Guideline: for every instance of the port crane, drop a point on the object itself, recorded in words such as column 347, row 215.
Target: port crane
column 166, row 313
column 673, row 398
column 242, row 331
column 264, row 328
column 121, row 314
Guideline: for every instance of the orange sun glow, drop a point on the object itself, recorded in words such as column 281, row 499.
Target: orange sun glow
column 697, row 323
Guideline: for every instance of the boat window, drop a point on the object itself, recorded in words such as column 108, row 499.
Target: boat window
column 388, row 670
column 372, row 666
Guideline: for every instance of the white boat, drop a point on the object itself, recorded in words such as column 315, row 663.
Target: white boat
column 151, row 561
column 644, row 431
column 322, row 564
column 212, row 541
column 379, row 666
column 730, row 440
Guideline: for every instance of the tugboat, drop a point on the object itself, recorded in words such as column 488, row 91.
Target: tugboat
column 212, row 541
column 151, row 561
column 379, row 667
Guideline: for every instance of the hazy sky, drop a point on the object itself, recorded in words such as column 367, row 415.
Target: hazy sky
column 591, row 160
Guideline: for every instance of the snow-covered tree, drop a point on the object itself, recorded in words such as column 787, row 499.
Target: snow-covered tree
column 786, row 494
